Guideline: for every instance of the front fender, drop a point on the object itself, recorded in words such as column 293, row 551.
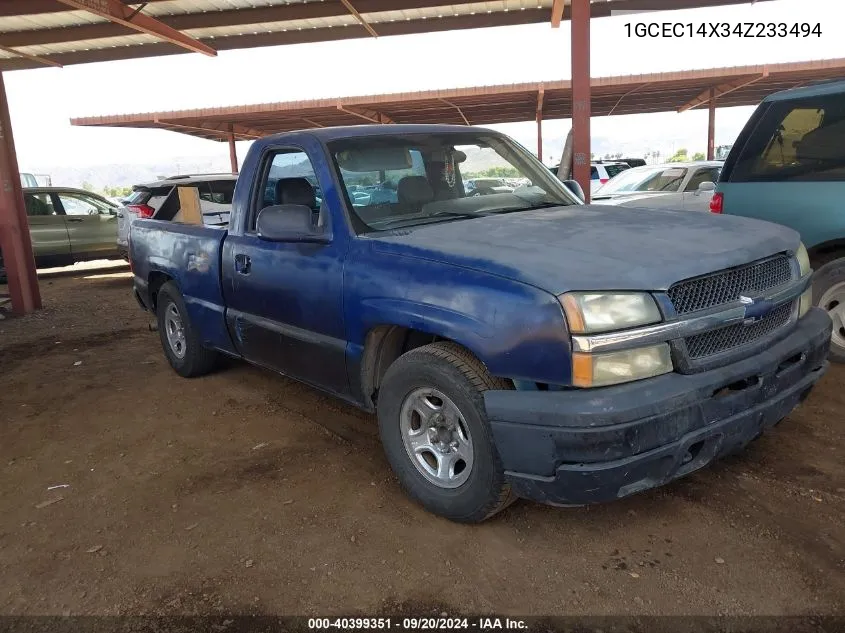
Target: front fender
column 518, row 331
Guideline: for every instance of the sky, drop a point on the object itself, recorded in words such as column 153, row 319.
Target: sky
column 42, row 101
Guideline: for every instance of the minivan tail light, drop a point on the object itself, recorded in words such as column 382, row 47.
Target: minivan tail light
column 717, row 202
column 603, row 180
column 143, row 210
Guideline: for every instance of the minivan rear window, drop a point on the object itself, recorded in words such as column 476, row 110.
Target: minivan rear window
column 800, row 140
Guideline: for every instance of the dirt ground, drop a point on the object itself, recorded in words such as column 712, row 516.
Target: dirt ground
column 244, row 492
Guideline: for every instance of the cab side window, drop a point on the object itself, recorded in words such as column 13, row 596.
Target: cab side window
column 78, row 205
column 39, row 204
column 289, row 178
column 703, row 175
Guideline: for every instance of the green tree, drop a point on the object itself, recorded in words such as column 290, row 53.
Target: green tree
column 680, row 156
column 699, row 156
column 87, row 186
column 116, row 192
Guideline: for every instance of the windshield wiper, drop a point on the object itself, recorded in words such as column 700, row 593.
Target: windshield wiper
column 457, row 214
column 532, row 207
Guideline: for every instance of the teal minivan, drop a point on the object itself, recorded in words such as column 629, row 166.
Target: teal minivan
column 788, row 166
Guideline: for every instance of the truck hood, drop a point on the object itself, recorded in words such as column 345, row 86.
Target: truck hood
column 593, row 247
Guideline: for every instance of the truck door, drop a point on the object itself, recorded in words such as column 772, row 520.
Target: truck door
column 694, row 199
column 284, row 300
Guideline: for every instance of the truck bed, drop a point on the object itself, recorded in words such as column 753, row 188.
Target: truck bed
column 191, row 256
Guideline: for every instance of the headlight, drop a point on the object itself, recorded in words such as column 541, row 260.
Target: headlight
column 803, row 260
column 591, row 312
column 598, row 370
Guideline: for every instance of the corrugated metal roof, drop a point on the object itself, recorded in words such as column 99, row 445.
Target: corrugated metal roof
column 50, row 30
column 486, row 105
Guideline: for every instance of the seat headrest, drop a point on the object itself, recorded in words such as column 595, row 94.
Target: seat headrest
column 823, row 143
column 414, row 190
column 295, row 191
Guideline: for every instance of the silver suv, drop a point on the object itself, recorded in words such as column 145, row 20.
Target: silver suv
column 160, row 200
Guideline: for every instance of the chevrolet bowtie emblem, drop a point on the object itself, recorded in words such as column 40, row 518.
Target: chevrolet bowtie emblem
column 755, row 309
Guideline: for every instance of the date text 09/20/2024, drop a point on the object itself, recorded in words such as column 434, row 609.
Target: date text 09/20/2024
column 723, row 30
column 417, row 624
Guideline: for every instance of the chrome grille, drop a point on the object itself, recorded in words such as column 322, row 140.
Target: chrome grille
column 727, row 286
column 715, row 341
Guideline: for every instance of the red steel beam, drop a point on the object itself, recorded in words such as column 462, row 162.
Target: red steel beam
column 117, row 12
column 372, row 116
column 580, row 24
column 14, row 229
column 35, row 58
column 557, row 13
column 722, row 90
column 540, row 96
column 358, row 17
column 233, row 151
column 711, row 126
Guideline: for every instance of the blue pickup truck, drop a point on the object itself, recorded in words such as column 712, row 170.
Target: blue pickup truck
column 514, row 344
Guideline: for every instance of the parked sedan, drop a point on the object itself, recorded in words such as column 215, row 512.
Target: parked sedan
column 683, row 186
column 70, row 225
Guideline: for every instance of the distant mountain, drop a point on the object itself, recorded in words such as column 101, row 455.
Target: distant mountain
column 126, row 175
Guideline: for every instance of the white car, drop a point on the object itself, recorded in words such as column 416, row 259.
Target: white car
column 682, row 186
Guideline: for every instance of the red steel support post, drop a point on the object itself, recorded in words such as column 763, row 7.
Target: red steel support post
column 539, row 136
column 580, row 24
column 14, row 228
column 711, row 126
column 233, row 153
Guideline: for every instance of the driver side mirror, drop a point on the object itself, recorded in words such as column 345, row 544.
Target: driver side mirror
column 705, row 187
column 289, row 223
column 576, row 189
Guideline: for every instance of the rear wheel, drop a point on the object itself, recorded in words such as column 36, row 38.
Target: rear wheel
column 179, row 339
column 436, row 435
column 829, row 294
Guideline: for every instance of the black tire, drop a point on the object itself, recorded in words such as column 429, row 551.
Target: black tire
column 825, row 279
column 461, row 377
column 196, row 359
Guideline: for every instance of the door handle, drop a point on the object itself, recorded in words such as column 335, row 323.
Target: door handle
column 73, row 219
column 243, row 264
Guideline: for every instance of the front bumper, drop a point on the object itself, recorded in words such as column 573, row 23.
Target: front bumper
column 578, row 447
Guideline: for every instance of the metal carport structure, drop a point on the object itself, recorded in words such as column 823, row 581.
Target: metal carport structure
column 485, row 105
column 36, row 33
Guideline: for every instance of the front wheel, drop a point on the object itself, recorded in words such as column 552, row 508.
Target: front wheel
column 436, row 435
column 829, row 294
column 179, row 339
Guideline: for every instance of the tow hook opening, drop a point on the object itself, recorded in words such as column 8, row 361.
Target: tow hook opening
column 692, row 452
column 739, row 385
column 790, row 362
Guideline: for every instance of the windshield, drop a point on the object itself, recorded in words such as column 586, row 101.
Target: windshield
column 646, row 179
column 406, row 180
